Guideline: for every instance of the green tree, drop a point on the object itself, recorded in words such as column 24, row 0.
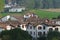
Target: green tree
column 53, row 35
column 42, row 38
column 1, row 5
column 15, row 34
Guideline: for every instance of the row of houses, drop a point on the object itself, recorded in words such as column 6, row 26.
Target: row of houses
column 13, row 8
column 31, row 23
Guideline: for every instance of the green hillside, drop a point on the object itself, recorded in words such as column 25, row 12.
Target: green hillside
column 1, row 4
column 40, row 13
column 47, row 14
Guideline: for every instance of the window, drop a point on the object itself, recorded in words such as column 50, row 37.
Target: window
column 30, row 27
column 44, row 33
column 50, row 29
column 34, row 28
column 34, row 33
column 30, row 32
column 39, row 28
column 22, row 26
column 44, row 27
column 56, row 29
column 39, row 33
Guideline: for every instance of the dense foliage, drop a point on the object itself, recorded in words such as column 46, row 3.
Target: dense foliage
column 53, row 35
column 36, row 3
column 15, row 34
column 1, row 5
column 40, row 3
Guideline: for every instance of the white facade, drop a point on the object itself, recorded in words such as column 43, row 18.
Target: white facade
column 8, row 27
column 31, row 30
column 16, row 9
column 39, row 30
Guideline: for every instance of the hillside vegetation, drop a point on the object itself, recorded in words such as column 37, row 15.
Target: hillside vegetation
column 15, row 34
column 40, row 13
column 40, row 3
column 46, row 14
column 1, row 5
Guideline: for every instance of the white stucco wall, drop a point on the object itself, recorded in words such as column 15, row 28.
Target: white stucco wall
column 35, row 29
column 31, row 30
column 8, row 27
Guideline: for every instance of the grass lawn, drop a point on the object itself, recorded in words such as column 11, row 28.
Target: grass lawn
column 40, row 13
column 47, row 14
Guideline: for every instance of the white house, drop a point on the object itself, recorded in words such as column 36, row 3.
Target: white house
column 39, row 30
column 16, row 9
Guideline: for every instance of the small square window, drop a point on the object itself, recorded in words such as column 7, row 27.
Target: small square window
column 44, row 33
column 39, row 33
column 30, row 27
column 31, row 32
column 34, row 33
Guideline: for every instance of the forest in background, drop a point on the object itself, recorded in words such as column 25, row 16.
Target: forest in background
column 32, row 4
column 39, row 3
